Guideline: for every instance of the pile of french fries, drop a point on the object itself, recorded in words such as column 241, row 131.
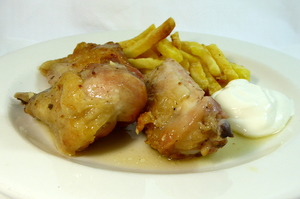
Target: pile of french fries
column 206, row 64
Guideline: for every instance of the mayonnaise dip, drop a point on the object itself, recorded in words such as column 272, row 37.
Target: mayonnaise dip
column 254, row 111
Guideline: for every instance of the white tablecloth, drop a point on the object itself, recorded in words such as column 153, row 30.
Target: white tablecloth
column 270, row 23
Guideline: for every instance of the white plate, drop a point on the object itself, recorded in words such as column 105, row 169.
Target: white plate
column 31, row 167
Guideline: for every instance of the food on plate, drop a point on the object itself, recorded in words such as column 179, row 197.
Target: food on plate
column 254, row 111
column 83, row 106
column 96, row 87
column 143, row 42
column 84, row 54
column 200, row 50
column 187, row 97
column 179, row 120
column 207, row 64
column 222, row 62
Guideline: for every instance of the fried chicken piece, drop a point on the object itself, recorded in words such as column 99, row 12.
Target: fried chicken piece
column 84, row 54
column 179, row 120
column 81, row 107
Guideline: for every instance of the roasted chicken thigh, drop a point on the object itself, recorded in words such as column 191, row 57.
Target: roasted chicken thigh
column 83, row 106
column 84, row 54
column 179, row 120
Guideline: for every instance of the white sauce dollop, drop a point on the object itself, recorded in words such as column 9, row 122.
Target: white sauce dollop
column 254, row 111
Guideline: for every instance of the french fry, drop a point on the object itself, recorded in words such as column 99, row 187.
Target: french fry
column 197, row 73
column 222, row 62
column 145, row 71
column 151, row 53
column 176, row 40
column 199, row 50
column 213, row 85
column 243, row 72
column 150, row 39
column 185, row 47
column 145, row 63
column 206, row 64
column 189, row 57
column 130, row 42
column 166, row 48
column 185, row 64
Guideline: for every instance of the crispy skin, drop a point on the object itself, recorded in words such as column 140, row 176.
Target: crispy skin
column 179, row 120
column 81, row 107
column 84, row 54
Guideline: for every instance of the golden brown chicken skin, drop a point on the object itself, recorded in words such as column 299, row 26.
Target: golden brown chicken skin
column 81, row 107
column 179, row 120
column 84, row 54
